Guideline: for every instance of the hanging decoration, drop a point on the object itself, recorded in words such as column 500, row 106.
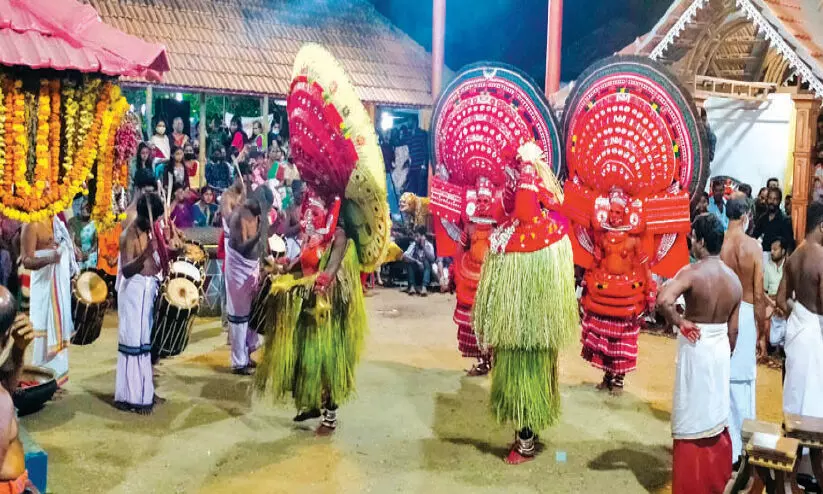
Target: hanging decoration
column 56, row 133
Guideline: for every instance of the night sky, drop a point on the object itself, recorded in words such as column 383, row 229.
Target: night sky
column 514, row 31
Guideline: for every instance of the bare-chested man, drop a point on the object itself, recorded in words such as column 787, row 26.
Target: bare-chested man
column 140, row 267
column 708, row 333
column 801, row 296
column 15, row 335
column 230, row 198
column 246, row 229
column 744, row 256
column 48, row 251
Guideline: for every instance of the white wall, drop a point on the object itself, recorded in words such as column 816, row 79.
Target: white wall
column 752, row 138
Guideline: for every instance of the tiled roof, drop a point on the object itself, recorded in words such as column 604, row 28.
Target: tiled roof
column 248, row 46
column 66, row 35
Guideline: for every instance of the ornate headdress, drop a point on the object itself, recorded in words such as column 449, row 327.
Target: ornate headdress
column 334, row 146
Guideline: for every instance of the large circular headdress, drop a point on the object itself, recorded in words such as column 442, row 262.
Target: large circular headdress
column 628, row 123
column 334, row 146
column 482, row 118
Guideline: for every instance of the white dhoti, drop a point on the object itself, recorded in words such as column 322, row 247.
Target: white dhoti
column 743, row 377
column 50, row 306
column 242, row 282
column 701, row 385
column 803, row 386
column 134, row 382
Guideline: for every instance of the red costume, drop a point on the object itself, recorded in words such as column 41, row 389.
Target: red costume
column 634, row 153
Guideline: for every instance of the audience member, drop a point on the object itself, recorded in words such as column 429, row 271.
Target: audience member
column 182, row 209
column 206, row 208
column 787, row 206
column 256, row 139
column 84, row 233
column 717, row 204
column 419, row 258
column 702, row 205
column 190, row 161
column 160, row 141
column 219, row 172
column 179, row 139
column 239, row 139
column 773, row 183
column 143, row 159
column 175, row 170
column 774, row 224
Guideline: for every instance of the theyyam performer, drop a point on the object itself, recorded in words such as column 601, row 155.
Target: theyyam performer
column 525, row 307
column 466, row 198
column 317, row 320
column 635, row 159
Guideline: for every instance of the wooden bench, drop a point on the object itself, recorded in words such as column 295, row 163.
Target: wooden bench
column 768, row 454
column 809, row 432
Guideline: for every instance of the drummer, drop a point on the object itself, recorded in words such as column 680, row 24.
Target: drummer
column 140, row 271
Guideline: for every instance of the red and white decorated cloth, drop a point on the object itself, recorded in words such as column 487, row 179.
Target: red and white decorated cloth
column 609, row 343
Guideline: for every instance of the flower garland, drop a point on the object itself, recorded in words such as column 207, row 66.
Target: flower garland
column 2, row 131
column 52, row 138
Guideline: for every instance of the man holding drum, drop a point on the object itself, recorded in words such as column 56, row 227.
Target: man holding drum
column 138, row 286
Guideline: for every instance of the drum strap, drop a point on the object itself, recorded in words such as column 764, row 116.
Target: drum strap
column 238, row 319
column 134, row 350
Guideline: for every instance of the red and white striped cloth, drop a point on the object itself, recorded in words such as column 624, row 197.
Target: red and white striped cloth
column 609, row 343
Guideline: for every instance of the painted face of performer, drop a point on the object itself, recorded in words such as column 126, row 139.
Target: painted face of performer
column 616, row 214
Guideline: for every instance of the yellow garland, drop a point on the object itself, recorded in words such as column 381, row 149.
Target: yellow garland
column 2, row 131
column 42, row 168
column 70, row 129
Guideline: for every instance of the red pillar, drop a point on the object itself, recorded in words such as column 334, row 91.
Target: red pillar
column 553, row 43
column 438, row 45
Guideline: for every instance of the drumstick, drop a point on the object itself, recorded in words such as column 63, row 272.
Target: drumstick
column 168, row 196
column 239, row 174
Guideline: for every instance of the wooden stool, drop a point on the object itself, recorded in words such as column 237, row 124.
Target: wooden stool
column 766, row 451
column 809, row 432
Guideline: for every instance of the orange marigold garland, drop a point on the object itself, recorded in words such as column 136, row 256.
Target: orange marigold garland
column 52, row 134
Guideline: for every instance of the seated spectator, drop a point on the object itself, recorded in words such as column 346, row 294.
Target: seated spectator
column 219, row 171
column 419, row 258
column 174, row 170
column 16, row 333
column 143, row 159
column 205, row 213
column 190, row 160
column 182, row 206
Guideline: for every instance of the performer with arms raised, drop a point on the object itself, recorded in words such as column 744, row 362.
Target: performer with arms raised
column 708, row 332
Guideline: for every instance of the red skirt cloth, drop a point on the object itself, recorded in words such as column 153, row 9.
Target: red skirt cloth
column 466, row 339
column 610, row 343
column 702, row 466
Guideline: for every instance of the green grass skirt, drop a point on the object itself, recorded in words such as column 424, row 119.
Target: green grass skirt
column 525, row 388
column 526, row 310
column 313, row 342
column 527, row 301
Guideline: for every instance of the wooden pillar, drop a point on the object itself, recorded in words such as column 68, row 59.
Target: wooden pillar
column 149, row 111
column 554, row 37
column 371, row 109
column 438, row 45
column 807, row 108
column 264, row 111
column 201, row 171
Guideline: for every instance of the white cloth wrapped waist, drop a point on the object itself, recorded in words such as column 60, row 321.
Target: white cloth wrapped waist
column 803, row 386
column 701, row 387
